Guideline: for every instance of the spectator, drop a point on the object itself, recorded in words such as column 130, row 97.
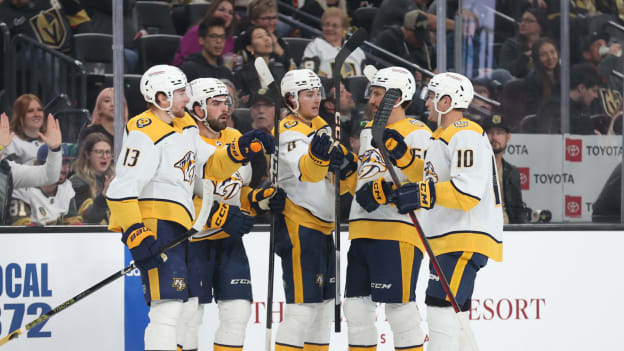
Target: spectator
column 208, row 62
column 411, row 41
column 317, row 8
column 257, row 42
column 263, row 13
column 607, row 206
column 514, row 209
column 334, row 24
column 584, row 82
column 232, row 90
column 189, row 44
column 103, row 117
column 543, row 81
column 348, row 112
column 392, row 12
column 47, row 204
column 262, row 110
column 52, row 26
column 93, row 171
column 515, row 54
column 28, row 124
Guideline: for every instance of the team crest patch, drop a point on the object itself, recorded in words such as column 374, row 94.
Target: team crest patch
column 319, row 280
column 416, row 123
column 290, row 124
column 49, row 28
column 187, row 165
column 430, row 172
column 143, row 122
column 460, row 124
column 371, row 164
column 178, row 284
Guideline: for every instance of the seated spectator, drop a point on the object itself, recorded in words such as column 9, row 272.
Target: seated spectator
column 607, row 206
column 584, row 82
column 514, row 209
column 515, row 55
column 257, row 42
column 411, row 41
column 262, row 110
column 232, row 90
column 543, row 81
column 93, row 172
column 52, row 26
column 324, row 50
column 189, row 44
column 209, row 61
column 317, row 8
column 263, row 13
column 48, row 204
column 28, row 124
column 103, row 116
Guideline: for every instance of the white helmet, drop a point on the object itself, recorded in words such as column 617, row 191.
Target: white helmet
column 297, row 80
column 456, row 86
column 162, row 79
column 398, row 78
column 202, row 89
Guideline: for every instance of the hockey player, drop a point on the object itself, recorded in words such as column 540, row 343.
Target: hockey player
column 463, row 219
column 151, row 197
column 385, row 252
column 220, row 261
column 303, row 234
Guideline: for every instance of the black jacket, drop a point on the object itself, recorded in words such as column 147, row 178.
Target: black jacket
column 515, row 207
column 247, row 81
column 606, row 208
column 549, row 118
column 195, row 66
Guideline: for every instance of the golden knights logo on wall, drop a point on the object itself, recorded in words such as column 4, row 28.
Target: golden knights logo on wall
column 50, row 28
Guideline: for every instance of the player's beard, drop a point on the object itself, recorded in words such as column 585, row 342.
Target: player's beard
column 215, row 124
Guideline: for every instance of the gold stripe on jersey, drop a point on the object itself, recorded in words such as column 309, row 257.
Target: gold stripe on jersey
column 220, row 166
column 348, row 185
column 410, row 348
column 384, row 230
column 124, row 213
column 463, row 124
column 156, row 129
column 407, row 258
column 362, row 348
column 154, row 283
column 479, row 242
column 447, row 195
column 303, row 217
column 245, row 205
column 220, row 347
column 315, row 347
column 293, row 233
column 312, row 170
column 458, row 273
column 286, row 347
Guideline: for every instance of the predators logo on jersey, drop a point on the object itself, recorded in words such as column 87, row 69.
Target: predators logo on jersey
column 187, row 165
column 230, row 187
column 430, row 172
column 178, row 284
column 371, row 164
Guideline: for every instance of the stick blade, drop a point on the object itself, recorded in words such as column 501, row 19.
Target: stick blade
column 266, row 78
column 369, row 72
column 382, row 115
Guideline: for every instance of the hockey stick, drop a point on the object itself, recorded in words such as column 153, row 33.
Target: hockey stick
column 267, row 80
column 202, row 217
column 356, row 40
column 379, row 124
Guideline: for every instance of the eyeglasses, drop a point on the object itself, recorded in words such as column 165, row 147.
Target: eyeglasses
column 213, row 36
column 102, row 152
column 268, row 18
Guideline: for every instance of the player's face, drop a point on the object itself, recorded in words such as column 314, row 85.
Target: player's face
column 433, row 114
column 100, row 157
column 309, row 102
column 346, row 100
column 376, row 95
column 217, row 108
column 226, row 12
column 180, row 99
column 498, row 139
column 33, row 119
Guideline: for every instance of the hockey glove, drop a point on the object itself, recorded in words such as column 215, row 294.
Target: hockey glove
column 374, row 193
column 414, row 196
column 247, row 145
column 142, row 244
column 267, row 199
column 341, row 158
column 319, row 149
column 231, row 219
column 400, row 155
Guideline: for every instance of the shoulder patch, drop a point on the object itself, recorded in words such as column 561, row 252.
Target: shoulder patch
column 143, row 122
column 290, row 124
column 460, row 124
column 416, row 123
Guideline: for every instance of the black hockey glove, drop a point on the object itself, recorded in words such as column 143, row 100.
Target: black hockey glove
column 143, row 246
column 319, row 149
column 231, row 219
column 374, row 193
column 343, row 159
column 414, row 196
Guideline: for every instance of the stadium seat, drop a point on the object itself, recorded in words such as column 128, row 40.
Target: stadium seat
column 157, row 49
column 296, row 46
column 356, row 85
column 71, row 121
column 363, row 17
column 132, row 92
column 185, row 16
column 95, row 51
column 154, row 17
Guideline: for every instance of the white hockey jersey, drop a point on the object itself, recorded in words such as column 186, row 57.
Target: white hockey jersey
column 32, row 206
column 386, row 223
column 326, row 53
column 229, row 190
column 467, row 215
column 309, row 191
column 156, row 170
column 22, row 151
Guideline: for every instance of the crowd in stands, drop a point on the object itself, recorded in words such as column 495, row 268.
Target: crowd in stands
column 512, row 58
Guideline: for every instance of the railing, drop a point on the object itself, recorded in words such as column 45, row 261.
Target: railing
column 6, row 39
column 39, row 70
